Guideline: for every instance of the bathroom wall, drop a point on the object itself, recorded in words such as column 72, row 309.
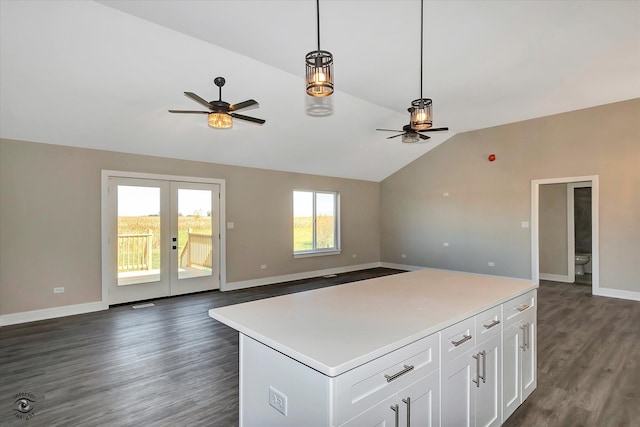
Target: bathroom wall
column 553, row 230
column 582, row 219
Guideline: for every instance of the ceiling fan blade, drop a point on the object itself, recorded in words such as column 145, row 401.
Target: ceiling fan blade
column 247, row 118
column 424, row 136
column 190, row 111
column 391, row 130
column 395, row 136
column 434, row 130
column 198, row 99
column 245, row 104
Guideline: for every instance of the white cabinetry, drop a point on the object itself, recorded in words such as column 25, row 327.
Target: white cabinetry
column 416, row 405
column 519, row 352
column 471, row 383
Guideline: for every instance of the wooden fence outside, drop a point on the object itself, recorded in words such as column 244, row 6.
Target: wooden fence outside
column 134, row 252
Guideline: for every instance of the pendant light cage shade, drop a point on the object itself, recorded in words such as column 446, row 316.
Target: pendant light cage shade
column 421, row 114
column 220, row 121
column 319, row 74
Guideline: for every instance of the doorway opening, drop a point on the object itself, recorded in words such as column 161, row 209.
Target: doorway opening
column 162, row 236
column 567, row 253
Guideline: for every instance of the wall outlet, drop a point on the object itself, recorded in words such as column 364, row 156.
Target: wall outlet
column 354, row 256
column 263, row 267
column 524, row 224
column 445, row 194
column 403, row 256
column 491, row 264
column 278, row 400
column 445, row 243
column 59, row 290
column 230, row 225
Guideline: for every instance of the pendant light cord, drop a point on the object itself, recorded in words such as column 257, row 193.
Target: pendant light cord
column 421, row 39
column 318, row 16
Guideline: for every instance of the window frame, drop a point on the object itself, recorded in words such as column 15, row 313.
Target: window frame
column 336, row 250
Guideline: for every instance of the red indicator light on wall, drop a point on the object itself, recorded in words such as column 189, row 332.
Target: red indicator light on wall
column 492, row 157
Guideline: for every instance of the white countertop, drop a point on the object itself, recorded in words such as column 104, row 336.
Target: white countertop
column 338, row 328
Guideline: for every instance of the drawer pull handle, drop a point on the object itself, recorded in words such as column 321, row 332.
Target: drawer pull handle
column 523, row 307
column 464, row 339
column 407, row 368
column 395, row 408
column 492, row 324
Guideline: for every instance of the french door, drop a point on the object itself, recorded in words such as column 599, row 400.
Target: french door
column 164, row 238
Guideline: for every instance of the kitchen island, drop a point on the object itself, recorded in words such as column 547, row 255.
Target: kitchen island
column 425, row 346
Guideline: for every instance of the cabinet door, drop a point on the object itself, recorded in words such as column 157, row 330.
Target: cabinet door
column 511, row 367
column 529, row 377
column 380, row 415
column 421, row 402
column 458, row 400
column 489, row 399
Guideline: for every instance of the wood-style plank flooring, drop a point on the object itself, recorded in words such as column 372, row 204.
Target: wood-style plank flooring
column 172, row 365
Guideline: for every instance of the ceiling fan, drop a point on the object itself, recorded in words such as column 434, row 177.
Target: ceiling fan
column 220, row 112
column 410, row 135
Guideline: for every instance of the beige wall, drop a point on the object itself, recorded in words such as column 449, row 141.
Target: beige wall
column 553, row 242
column 481, row 217
column 50, row 220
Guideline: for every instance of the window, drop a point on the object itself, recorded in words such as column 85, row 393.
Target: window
column 315, row 223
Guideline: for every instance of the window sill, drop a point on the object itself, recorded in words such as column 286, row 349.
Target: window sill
column 316, row 253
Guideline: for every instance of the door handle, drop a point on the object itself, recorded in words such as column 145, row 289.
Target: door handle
column 408, row 402
column 395, row 408
column 477, row 380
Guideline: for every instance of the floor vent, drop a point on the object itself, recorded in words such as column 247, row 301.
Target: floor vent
column 149, row 304
column 328, row 276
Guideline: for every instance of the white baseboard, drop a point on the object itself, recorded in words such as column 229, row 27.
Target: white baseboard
column 51, row 313
column 555, row 278
column 617, row 293
column 401, row 266
column 232, row 286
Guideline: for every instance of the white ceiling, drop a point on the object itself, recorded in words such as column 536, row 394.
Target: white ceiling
column 103, row 74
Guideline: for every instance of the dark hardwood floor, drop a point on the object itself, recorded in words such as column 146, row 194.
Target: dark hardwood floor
column 172, row 365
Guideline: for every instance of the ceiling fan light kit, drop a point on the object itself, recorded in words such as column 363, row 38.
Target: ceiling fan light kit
column 220, row 121
column 319, row 67
column 410, row 138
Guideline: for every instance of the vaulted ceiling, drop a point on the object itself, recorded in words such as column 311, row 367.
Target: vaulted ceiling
column 103, row 74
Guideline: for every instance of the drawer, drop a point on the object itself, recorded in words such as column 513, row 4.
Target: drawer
column 514, row 310
column 457, row 339
column 488, row 324
column 361, row 388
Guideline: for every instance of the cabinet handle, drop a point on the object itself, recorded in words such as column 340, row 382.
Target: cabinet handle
column 524, row 338
column 477, row 380
column 406, row 369
column 484, row 366
column 408, row 402
column 464, row 339
column 523, row 307
column 492, row 324
column 528, row 335
column 396, row 409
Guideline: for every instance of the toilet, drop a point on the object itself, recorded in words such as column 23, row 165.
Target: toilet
column 581, row 260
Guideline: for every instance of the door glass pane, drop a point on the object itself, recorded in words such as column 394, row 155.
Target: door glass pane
column 325, row 221
column 302, row 221
column 195, row 245
column 138, row 235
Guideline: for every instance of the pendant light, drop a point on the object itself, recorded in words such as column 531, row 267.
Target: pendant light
column 319, row 67
column 421, row 109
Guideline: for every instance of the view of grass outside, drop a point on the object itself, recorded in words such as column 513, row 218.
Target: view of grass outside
column 303, row 211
